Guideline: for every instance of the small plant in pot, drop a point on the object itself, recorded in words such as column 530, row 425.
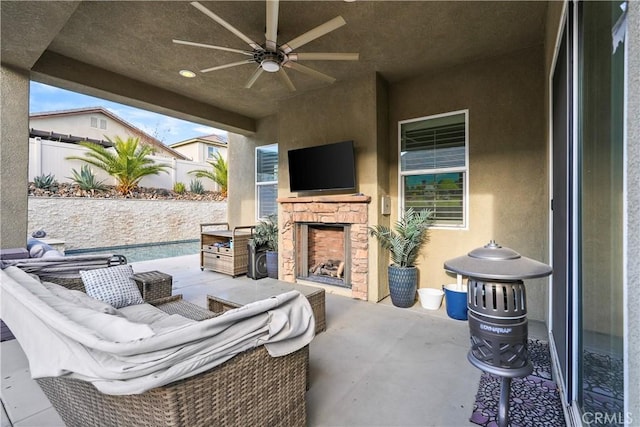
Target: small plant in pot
column 266, row 234
column 404, row 242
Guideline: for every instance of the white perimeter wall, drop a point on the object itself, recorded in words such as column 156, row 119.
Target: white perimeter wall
column 91, row 223
column 49, row 157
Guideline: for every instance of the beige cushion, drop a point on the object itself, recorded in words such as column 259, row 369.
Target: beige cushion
column 80, row 298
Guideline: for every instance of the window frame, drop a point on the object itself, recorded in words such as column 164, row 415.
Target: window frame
column 263, row 183
column 464, row 170
column 210, row 148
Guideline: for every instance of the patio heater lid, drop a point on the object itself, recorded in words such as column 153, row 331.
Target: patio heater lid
column 495, row 262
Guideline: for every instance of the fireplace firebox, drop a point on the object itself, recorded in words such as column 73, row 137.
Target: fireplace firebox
column 322, row 252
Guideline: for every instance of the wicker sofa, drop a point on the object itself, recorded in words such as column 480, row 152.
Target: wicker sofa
column 64, row 270
column 251, row 388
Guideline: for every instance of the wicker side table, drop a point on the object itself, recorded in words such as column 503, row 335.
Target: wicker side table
column 154, row 285
column 239, row 296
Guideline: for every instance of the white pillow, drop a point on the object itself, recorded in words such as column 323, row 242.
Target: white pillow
column 113, row 285
column 52, row 254
column 37, row 251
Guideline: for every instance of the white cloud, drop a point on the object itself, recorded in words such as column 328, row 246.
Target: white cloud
column 206, row 130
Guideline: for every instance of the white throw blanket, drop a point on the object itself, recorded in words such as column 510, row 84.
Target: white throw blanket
column 57, row 345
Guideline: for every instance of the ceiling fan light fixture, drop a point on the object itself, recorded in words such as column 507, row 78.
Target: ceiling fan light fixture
column 270, row 65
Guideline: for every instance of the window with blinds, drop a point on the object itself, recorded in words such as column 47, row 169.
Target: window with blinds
column 433, row 167
column 266, row 181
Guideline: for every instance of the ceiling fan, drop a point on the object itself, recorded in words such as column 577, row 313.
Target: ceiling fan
column 270, row 56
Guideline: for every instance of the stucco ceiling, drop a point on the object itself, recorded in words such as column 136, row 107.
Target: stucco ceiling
column 133, row 40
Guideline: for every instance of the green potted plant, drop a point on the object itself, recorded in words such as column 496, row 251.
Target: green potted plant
column 410, row 234
column 266, row 234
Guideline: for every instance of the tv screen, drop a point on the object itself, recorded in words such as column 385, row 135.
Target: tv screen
column 323, row 167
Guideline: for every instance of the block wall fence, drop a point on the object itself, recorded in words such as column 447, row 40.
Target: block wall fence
column 92, row 223
column 50, row 157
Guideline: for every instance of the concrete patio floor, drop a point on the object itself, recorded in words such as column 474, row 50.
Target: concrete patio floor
column 375, row 365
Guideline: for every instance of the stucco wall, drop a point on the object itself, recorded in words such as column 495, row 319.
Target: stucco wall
column 355, row 111
column 14, row 156
column 242, row 170
column 120, row 222
column 508, row 166
column 344, row 111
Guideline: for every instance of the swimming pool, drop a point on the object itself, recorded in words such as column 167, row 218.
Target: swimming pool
column 146, row 252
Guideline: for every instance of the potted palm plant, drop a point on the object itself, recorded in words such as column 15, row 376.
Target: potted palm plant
column 410, row 234
column 266, row 234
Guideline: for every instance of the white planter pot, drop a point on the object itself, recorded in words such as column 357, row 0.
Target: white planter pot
column 430, row 298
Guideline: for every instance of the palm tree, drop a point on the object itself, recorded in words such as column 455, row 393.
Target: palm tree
column 218, row 174
column 128, row 164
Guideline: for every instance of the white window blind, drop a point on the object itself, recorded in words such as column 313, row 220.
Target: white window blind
column 266, row 181
column 433, row 167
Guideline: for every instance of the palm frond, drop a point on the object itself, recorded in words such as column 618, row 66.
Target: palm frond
column 218, row 174
column 128, row 162
column 410, row 234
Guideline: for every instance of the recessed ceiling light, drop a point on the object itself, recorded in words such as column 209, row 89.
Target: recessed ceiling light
column 187, row 73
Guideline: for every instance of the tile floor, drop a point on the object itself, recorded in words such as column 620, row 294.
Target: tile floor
column 375, row 365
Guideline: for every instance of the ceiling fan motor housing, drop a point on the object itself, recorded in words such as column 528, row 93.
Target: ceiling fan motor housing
column 269, row 60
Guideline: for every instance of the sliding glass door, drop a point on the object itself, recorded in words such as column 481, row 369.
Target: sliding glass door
column 600, row 253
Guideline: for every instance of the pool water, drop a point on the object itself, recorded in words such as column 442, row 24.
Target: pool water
column 145, row 252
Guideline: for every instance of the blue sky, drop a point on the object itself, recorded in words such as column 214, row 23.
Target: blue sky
column 167, row 129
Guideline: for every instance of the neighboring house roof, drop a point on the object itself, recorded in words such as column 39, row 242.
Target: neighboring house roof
column 100, row 110
column 214, row 139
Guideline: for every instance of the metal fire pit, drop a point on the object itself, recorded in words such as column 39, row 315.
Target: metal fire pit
column 497, row 303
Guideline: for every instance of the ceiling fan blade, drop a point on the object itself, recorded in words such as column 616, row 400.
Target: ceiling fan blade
column 315, row 56
column 286, row 80
column 254, row 77
column 313, row 34
column 310, row 72
column 210, row 46
column 272, row 24
column 228, row 26
column 233, row 64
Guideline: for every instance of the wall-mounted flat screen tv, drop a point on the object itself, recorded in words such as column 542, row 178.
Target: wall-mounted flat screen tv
column 323, row 167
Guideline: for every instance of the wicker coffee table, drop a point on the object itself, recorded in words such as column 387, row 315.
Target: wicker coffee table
column 239, row 295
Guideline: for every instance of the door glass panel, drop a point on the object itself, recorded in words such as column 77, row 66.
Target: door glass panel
column 601, row 95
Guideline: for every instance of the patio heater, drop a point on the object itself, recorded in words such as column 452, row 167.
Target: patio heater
column 497, row 304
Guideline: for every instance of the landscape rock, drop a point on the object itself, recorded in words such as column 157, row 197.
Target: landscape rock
column 143, row 193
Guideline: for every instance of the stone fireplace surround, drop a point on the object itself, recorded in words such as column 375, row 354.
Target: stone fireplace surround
column 351, row 210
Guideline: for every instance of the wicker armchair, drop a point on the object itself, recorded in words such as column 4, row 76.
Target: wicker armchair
column 251, row 389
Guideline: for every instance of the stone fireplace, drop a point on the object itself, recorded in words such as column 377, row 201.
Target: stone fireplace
column 324, row 240
column 323, row 253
